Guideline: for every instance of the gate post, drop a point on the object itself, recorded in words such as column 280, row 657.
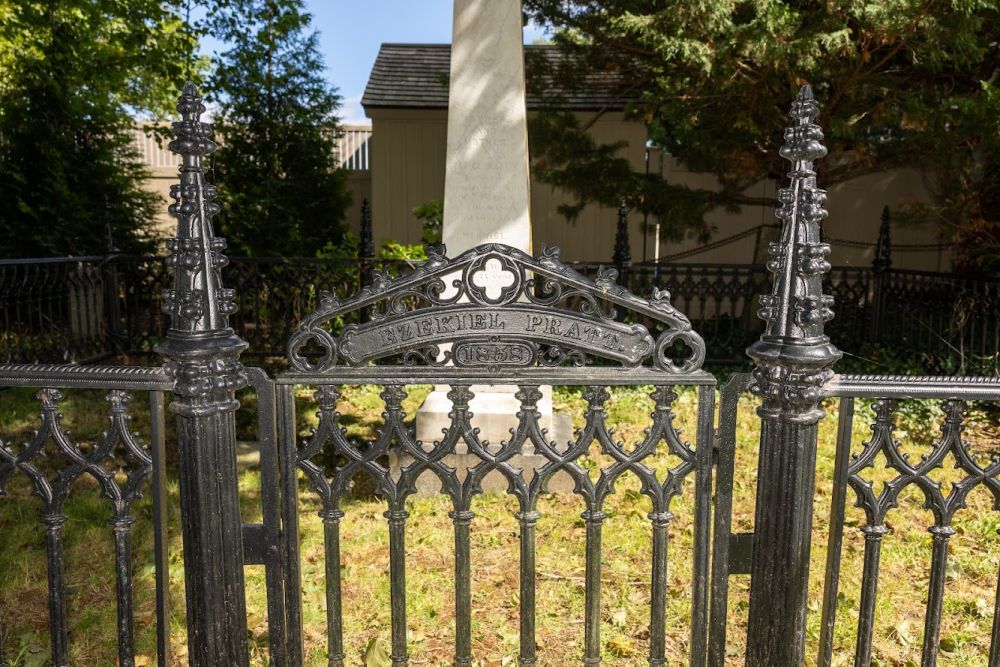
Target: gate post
column 880, row 267
column 793, row 359
column 112, row 299
column 201, row 353
column 622, row 258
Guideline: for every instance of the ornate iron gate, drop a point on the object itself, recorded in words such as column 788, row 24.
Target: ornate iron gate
column 538, row 323
column 494, row 316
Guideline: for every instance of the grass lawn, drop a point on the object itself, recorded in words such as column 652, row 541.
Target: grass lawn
column 968, row 608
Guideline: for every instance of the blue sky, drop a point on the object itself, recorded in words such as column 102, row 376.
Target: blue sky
column 351, row 32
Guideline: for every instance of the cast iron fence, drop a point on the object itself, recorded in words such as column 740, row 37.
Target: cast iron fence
column 53, row 308
column 58, row 310
column 546, row 324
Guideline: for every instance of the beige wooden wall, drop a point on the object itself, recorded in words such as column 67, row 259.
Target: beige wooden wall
column 407, row 155
column 161, row 178
column 162, row 167
column 360, row 185
column 408, row 169
column 159, row 182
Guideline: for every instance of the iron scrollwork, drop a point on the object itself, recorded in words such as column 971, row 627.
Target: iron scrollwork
column 501, row 307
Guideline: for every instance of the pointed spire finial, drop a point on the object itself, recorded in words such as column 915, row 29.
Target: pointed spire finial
column 191, row 137
column 366, row 247
column 803, row 140
column 883, row 248
column 796, row 310
column 198, row 301
column 623, row 252
column 805, row 104
column 199, row 306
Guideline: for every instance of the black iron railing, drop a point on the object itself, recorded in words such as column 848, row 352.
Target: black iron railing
column 125, row 465
column 545, row 325
column 52, row 309
column 74, row 309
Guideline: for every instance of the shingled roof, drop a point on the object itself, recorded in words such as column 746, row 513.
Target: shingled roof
column 415, row 76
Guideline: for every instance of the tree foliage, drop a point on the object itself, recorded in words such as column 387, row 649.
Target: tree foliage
column 901, row 82
column 73, row 74
column 280, row 188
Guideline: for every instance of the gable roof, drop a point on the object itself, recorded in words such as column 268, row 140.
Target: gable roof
column 415, row 76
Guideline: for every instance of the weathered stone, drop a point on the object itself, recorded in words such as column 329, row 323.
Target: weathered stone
column 487, row 200
column 486, row 194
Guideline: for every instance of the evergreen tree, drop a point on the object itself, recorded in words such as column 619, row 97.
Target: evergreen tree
column 280, row 189
column 902, row 83
column 72, row 75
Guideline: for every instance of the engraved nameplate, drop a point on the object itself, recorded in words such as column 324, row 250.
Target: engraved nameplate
column 629, row 344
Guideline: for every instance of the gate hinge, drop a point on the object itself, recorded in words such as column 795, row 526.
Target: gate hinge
column 255, row 544
column 740, row 553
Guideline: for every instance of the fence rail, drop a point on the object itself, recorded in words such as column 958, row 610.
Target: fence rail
column 353, row 148
column 153, row 152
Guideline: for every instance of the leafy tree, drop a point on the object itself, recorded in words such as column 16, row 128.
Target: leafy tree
column 280, row 188
column 431, row 217
column 901, row 82
column 72, row 75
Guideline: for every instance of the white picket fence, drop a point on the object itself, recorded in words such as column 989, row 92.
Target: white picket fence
column 352, row 148
column 153, row 152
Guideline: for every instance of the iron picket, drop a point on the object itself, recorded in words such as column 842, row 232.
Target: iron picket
column 887, row 392
column 66, row 461
column 836, row 535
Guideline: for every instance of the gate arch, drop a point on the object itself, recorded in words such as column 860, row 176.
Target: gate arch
column 555, row 314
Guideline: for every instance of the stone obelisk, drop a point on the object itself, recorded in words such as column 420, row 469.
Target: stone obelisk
column 487, row 200
column 486, row 190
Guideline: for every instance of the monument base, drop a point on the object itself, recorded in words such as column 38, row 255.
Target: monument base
column 494, row 412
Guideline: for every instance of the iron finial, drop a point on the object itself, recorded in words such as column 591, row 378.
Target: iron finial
column 883, row 248
column 198, row 301
column 201, row 349
column 623, row 253
column 796, row 310
column 366, row 247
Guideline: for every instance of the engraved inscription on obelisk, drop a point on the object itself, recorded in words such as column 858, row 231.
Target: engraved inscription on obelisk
column 486, row 193
column 486, row 200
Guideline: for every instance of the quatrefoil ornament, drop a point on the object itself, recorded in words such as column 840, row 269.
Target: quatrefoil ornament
column 493, row 280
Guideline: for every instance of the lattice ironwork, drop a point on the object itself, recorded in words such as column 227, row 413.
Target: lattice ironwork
column 495, row 315
column 877, row 504
column 53, row 461
column 369, row 458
